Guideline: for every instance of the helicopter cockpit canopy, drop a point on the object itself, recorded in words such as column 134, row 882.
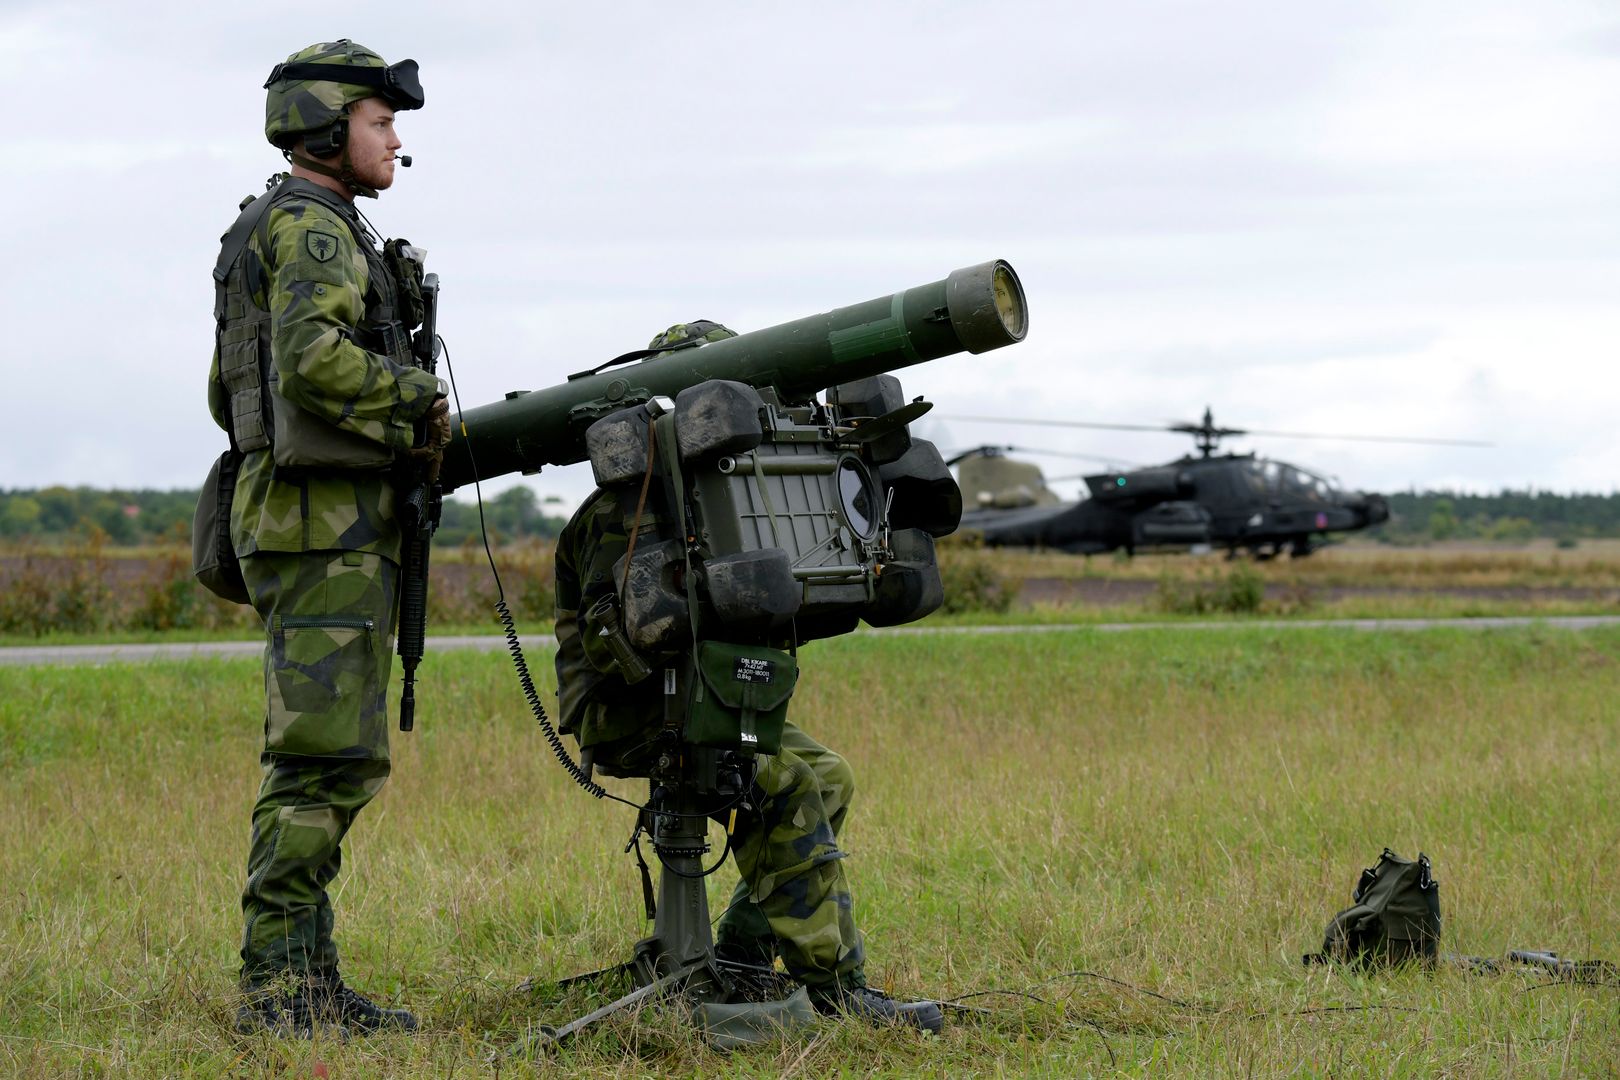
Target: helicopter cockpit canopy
column 1279, row 479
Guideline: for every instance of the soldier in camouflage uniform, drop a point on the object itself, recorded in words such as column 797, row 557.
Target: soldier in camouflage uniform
column 792, row 899
column 312, row 379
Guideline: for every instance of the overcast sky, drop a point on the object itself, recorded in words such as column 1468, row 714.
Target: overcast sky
column 1382, row 218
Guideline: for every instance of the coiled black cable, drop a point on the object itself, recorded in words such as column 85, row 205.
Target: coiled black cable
column 509, row 626
column 513, row 646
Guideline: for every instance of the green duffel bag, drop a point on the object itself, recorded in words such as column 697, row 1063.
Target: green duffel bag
column 1394, row 917
column 740, row 697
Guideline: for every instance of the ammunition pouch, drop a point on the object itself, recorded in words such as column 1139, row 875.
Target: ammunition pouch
column 243, row 348
column 388, row 337
column 739, row 697
column 406, row 270
column 213, row 556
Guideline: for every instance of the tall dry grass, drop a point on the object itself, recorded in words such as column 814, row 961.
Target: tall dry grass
column 91, row 591
column 1116, row 845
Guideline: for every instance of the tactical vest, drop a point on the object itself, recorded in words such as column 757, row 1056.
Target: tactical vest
column 259, row 416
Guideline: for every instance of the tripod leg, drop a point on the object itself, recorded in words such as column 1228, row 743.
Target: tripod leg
column 670, row 983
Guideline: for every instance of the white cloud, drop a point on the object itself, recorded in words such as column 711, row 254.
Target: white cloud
column 1496, row 90
column 1381, row 217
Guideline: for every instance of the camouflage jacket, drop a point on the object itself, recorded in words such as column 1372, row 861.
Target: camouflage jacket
column 594, row 703
column 321, row 287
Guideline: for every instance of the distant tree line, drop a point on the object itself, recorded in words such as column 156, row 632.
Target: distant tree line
column 514, row 514
column 60, row 515
column 1506, row 515
column 65, row 515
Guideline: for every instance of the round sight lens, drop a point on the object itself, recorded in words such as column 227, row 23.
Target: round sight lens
column 986, row 305
column 857, row 499
column 1009, row 300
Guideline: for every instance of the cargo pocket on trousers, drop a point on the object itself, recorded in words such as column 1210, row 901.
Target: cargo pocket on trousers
column 323, row 686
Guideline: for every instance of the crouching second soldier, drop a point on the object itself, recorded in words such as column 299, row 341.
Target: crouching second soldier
column 793, row 900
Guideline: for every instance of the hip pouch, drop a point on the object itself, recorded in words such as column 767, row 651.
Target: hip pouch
column 740, row 697
column 213, row 558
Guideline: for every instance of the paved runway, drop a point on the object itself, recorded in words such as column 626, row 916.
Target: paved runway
column 134, row 654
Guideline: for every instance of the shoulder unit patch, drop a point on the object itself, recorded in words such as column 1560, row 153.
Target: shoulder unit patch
column 322, row 246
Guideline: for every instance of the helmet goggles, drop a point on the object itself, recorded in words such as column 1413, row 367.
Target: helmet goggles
column 398, row 84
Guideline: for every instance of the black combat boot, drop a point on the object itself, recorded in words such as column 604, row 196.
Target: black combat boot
column 321, row 1002
column 274, row 1009
column 876, row 1007
column 329, row 1001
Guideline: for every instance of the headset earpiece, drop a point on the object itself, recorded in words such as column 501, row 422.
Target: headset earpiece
column 328, row 143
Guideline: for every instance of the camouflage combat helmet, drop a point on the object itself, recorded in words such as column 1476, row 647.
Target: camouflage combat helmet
column 311, row 91
column 686, row 335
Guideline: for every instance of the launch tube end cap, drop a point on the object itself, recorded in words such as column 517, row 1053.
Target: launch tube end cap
column 986, row 306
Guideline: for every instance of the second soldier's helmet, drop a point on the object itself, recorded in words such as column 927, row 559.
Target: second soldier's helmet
column 685, row 335
column 310, row 92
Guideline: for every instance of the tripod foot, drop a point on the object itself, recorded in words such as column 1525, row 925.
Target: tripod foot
column 749, row 1023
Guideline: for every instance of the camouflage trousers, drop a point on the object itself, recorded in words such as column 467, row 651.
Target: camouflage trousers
column 793, row 898
column 329, row 622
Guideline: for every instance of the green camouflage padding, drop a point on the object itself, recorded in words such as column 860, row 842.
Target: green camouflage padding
column 293, row 109
column 593, row 705
column 329, row 619
column 793, row 876
column 316, row 281
column 793, row 894
column 685, row 335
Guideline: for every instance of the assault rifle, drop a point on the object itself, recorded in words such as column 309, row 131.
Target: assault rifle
column 419, row 512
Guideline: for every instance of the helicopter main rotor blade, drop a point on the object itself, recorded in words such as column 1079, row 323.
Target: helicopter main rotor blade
column 997, row 450
column 1071, row 454
column 1194, row 429
column 1369, row 438
column 1053, row 423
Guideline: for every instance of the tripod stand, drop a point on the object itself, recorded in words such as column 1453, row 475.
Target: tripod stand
column 677, row 960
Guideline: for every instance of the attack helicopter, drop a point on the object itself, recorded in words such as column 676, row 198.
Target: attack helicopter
column 1240, row 502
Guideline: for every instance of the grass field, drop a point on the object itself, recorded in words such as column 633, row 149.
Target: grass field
column 1118, row 844
column 1592, row 564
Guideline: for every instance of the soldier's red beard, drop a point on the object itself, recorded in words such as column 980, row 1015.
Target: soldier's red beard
column 377, row 173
